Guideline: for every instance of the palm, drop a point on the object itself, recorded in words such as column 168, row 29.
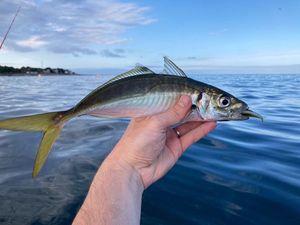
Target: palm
column 164, row 155
column 163, row 148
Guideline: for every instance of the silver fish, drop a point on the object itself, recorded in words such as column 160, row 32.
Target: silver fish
column 136, row 93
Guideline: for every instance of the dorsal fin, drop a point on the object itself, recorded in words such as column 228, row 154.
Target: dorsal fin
column 172, row 69
column 138, row 70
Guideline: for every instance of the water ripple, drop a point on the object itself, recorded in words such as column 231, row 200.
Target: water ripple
column 245, row 172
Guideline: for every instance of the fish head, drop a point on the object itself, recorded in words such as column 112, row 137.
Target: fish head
column 217, row 105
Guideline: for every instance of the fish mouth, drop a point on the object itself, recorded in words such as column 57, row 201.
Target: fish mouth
column 250, row 113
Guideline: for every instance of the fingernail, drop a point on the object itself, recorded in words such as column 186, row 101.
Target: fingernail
column 184, row 101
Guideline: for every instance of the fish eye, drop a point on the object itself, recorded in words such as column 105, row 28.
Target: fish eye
column 224, row 101
column 194, row 107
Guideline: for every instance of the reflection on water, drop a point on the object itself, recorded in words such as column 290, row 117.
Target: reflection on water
column 245, row 172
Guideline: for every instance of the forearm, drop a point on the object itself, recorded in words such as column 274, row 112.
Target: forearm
column 114, row 197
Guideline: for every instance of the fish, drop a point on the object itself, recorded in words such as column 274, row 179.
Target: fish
column 136, row 93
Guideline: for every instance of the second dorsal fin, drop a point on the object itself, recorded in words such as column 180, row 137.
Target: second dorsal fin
column 172, row 69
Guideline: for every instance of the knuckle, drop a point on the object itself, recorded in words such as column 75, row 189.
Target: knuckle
column 177, row 114
column 157, row 121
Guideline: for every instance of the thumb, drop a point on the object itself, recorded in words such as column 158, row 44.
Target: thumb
column 175, row 114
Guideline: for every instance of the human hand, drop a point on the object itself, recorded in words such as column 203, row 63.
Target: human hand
column 147, row 150
column 151, row 147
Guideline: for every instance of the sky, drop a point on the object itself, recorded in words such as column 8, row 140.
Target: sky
column 201, row 36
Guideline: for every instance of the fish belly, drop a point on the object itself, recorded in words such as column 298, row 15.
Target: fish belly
column 140, row 106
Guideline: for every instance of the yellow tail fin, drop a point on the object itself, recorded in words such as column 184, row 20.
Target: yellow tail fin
column 50, row 123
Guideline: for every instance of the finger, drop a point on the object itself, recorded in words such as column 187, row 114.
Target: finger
column 197, row 133
column 176, row 113
column 186, row 127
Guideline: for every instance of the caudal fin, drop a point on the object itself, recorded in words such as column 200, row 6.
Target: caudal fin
column 49, row 123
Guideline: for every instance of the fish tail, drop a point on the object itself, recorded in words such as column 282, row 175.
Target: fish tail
column 50, row 124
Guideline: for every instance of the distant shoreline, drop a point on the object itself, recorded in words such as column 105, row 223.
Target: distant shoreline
column 33, row 75
column 32, row 71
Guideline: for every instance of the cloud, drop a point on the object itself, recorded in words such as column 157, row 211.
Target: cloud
column 117, row 53
column 55, row 24
column 32, row 42
column 74, row 50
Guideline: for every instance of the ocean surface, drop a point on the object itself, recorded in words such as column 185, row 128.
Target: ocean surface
column 245, row 172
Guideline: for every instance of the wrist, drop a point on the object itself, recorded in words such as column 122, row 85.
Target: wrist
column 115, row 192
column 122, row 171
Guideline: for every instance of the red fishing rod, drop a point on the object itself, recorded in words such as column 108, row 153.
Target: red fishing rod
column 5, row 36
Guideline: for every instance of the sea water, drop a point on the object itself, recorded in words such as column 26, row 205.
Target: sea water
column 244, row 172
